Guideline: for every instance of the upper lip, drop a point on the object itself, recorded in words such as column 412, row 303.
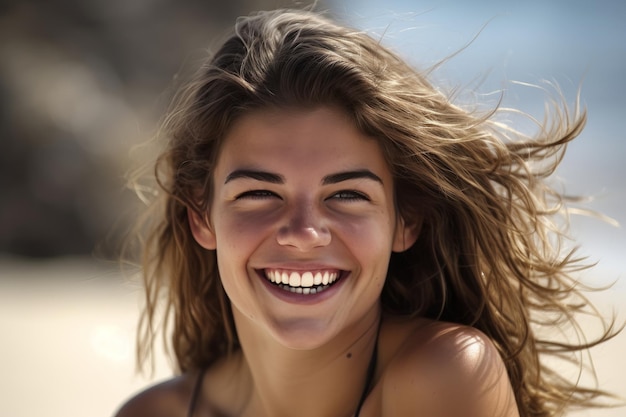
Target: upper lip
column 300, row 267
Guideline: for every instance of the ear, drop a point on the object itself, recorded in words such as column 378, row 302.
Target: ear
column 405, row 234
column 201, row 230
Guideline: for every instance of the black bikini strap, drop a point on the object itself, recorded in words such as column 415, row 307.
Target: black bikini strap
column 196, row 392
column 370, row 375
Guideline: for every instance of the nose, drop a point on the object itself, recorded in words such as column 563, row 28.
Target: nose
column 304, row 229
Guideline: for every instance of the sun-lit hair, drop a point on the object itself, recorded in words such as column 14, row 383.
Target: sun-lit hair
column 489, row 253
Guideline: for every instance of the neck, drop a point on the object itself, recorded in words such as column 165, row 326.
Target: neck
column 326, row 381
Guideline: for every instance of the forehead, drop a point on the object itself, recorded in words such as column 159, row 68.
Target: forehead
column 322, row 134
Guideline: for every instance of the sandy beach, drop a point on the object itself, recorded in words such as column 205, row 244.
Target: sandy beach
column 68, row 342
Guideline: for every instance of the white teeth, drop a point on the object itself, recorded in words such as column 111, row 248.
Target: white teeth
column 307, row 280
column 294, row 279
column 302, row 283
column 300, row 290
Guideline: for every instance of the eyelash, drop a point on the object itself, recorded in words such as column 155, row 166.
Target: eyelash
column 256, row 195
column 350, row 195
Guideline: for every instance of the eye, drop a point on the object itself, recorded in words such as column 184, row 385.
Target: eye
column 350, row 195
column 256, row 195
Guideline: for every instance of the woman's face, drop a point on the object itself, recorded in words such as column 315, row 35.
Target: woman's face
column 303, row 223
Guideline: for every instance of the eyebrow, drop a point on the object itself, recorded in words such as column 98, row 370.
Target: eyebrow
column 279, row 179
column 255, row 175
column 351, row 175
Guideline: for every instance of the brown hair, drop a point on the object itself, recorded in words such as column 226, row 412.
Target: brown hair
column 489, row 253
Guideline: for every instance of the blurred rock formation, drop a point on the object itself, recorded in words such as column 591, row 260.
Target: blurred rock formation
column 81, row 82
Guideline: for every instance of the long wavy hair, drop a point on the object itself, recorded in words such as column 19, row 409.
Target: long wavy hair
column 489, row 254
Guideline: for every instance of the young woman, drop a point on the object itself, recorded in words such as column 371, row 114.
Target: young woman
column 333, row 237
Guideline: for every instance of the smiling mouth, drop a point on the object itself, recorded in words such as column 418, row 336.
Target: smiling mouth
column 308, row 282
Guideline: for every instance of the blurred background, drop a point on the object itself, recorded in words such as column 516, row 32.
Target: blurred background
column 84, row 81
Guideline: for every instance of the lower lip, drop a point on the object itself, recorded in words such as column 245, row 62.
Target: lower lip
column 305, row 299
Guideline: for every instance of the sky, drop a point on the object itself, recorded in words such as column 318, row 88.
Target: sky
column 579, row 45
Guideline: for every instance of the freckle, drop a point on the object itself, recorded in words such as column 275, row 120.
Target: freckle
column 349, row 355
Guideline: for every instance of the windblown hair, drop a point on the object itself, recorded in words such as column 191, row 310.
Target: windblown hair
column 489, row 254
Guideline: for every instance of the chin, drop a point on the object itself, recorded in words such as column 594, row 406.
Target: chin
column 301, row 334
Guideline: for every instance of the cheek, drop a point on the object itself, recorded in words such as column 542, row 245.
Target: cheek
column 238, row 237
column 235, row 232
column 370, row 241
column 373, row 230
column 231, row 262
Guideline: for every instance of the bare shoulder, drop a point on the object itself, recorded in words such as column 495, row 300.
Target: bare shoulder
column 446, row 369
column 166, row 399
